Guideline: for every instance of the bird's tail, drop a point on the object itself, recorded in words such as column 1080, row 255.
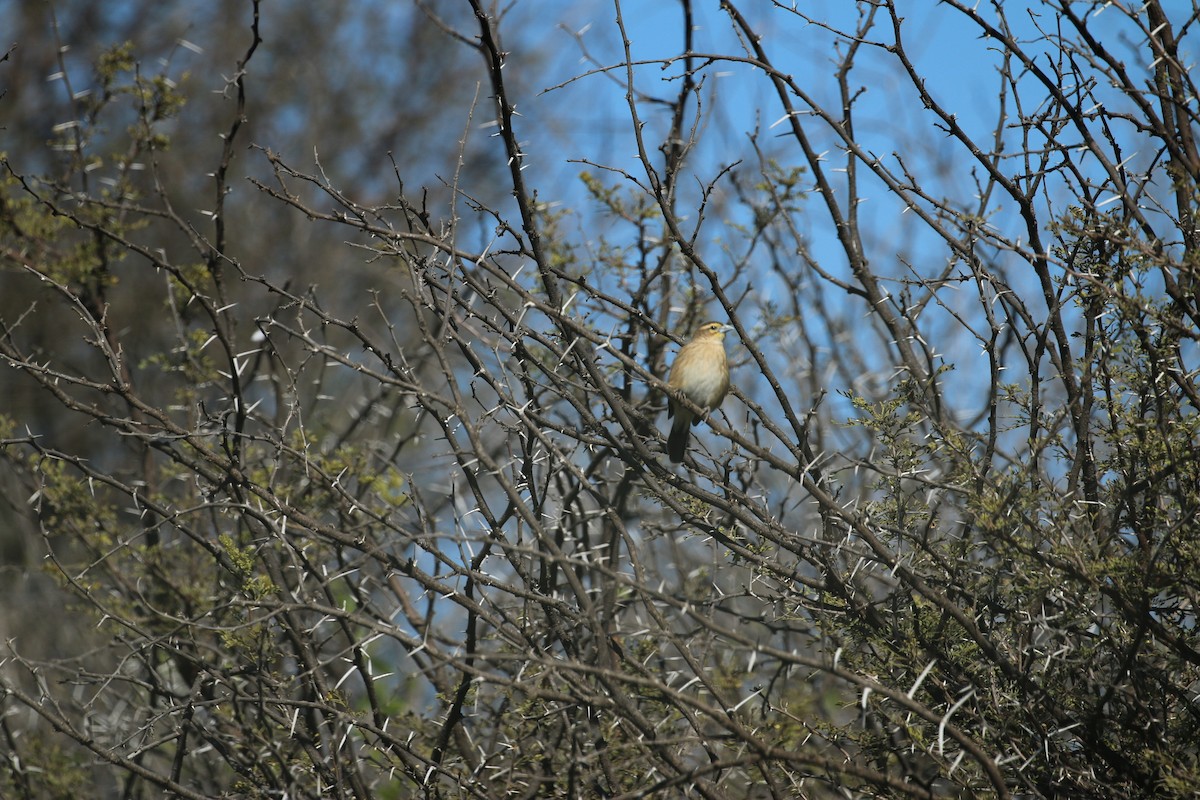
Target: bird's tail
column 678, row 438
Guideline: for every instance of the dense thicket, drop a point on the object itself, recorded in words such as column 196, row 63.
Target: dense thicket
column 333, row 342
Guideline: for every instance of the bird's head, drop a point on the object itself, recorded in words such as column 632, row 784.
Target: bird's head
column 712, row 330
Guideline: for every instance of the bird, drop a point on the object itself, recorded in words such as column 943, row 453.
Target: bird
column 701, row 374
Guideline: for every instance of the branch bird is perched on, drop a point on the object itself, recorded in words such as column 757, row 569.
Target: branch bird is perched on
column 701, row 374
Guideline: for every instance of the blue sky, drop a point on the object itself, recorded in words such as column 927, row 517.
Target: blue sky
column 589, row 119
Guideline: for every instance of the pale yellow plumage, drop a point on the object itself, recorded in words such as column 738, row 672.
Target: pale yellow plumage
column 701, row 374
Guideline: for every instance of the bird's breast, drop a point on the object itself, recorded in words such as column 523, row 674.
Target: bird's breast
column 707, row 378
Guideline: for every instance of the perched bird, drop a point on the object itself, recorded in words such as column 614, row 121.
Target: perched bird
column 701, row 374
